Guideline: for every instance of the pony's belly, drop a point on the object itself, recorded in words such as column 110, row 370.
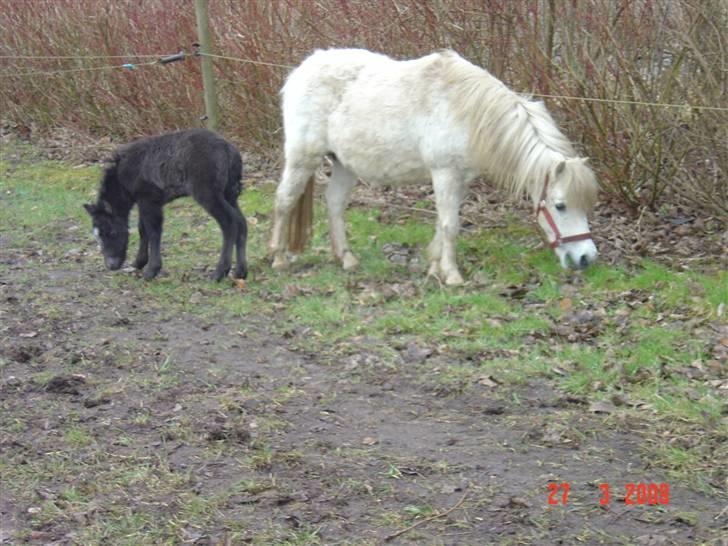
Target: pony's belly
column 387, row 172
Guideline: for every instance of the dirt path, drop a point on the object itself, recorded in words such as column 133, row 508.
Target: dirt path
column 126, row 421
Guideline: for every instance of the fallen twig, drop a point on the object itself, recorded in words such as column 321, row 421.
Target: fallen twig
column 430, row 518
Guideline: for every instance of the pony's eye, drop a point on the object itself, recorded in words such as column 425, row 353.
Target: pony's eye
column 561, row 207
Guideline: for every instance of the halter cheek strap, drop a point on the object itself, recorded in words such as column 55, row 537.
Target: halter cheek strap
column 559, row 240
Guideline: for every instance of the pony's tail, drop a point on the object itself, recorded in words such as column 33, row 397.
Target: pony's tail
column 301, row 220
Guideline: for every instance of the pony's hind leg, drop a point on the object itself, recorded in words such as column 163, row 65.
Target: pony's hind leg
column 434, row 251
column 292, row 186
column 338, row 195
column 449, row 189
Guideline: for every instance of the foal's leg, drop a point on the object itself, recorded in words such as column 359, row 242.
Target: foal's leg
column 449, row 189
column 295, row 176
column 150, row 214
column 241, row 266
column 338, row 195
column 142, row 256
column 226, row 217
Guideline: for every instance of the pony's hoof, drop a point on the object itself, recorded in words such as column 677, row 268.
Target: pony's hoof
column 279, row 262
column 454, row 279
column 139, row 264
column 241, row 272
column 349, row 261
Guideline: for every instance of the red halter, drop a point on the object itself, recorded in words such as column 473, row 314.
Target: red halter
column 559, row 240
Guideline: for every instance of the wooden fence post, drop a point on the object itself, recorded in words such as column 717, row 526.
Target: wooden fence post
column 208, row 78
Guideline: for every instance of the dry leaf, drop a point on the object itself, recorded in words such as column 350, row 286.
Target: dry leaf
column 601, row 406
column 487, row 381
column 566, row 304
column 239, row 284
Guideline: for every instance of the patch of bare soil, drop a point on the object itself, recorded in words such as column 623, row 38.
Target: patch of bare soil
column 282, row 441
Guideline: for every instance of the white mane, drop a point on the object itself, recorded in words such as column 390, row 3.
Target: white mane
column 513, row 140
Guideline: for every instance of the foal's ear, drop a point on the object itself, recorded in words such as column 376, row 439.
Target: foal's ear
column 105, row 206
column 90, row 208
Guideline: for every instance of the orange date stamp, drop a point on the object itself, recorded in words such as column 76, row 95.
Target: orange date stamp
column 634, row 494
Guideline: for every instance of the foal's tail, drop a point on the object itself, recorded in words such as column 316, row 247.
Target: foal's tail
column 234, row 182
column 301, row 220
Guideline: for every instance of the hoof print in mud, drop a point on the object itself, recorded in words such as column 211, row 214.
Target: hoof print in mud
column 228, row 432
column 95, row 401
column 65, row 384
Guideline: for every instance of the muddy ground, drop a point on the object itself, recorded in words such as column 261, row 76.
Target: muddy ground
column 276, row 445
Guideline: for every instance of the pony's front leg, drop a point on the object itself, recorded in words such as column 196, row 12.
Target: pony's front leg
column 449, row 188
column 338, row 195
column 293, row 184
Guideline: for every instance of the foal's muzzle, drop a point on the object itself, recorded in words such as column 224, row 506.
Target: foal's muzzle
column 113, row 263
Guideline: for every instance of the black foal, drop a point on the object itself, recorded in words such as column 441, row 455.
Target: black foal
column 152, row 172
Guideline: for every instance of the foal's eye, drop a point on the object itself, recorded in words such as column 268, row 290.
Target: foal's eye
column 561, row 207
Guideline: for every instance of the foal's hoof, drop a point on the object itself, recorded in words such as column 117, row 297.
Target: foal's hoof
column 219, row 274
column 241, row 272
column 150, row 274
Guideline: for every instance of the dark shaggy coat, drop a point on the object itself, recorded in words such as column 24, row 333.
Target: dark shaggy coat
column 153, row 171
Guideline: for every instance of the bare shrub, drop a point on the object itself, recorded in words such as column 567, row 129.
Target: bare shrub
column 639, row 50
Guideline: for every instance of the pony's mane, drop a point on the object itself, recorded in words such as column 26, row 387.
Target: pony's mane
column 513, row 140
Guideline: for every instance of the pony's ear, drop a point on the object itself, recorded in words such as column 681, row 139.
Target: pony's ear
column 105, row 206
column 560, row 168
column 90, row 208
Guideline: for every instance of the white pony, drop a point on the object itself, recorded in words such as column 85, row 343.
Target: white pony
column 438, row 117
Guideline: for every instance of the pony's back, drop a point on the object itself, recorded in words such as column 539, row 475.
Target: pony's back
column 315, row 88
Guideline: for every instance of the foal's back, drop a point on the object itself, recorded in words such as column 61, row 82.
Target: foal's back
column 188, row 162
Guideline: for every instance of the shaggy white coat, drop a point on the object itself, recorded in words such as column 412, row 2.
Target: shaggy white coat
column 436, row 118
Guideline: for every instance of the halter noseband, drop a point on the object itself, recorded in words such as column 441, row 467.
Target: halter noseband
column 559, row 240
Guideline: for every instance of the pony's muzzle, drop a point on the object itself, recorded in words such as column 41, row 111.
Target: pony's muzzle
column 579, row 255
column 584, row 261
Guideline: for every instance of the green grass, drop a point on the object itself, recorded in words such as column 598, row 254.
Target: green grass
column 643, row 360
